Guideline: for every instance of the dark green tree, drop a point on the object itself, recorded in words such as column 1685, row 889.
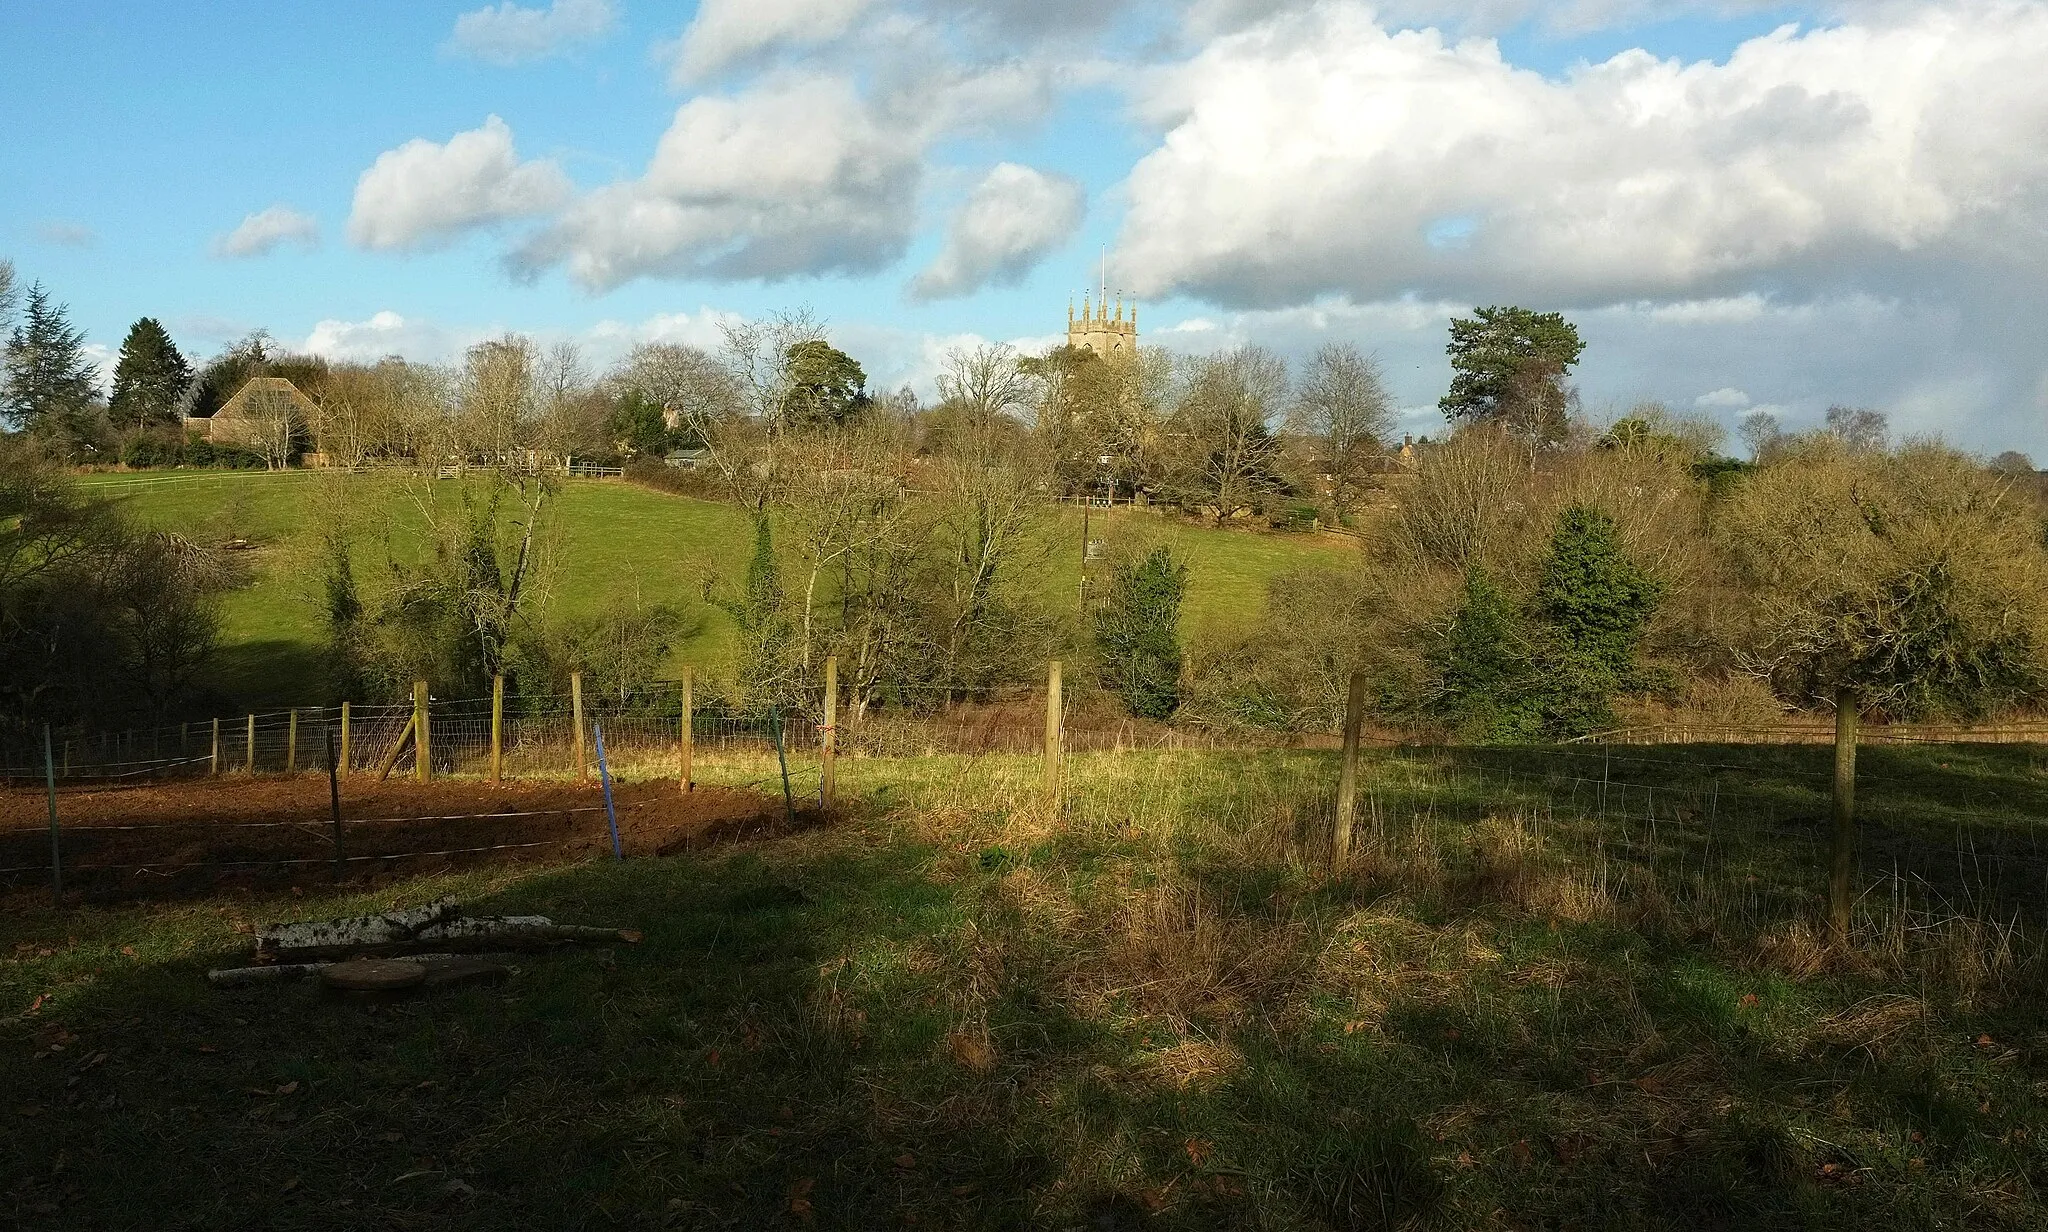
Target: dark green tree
column 1486, row 683
column 1508, row 366
column 1137, row 633
column 762, row 625
column 639, row 425
column 49, row 387
column 827, row 386
column 1594, row 604
column 149, row 378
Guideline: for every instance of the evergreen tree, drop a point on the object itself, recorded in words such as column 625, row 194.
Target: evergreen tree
column 1137, row 633
column 1487, row 686
column 1508, row 366
column 49, row 388
column 149, row 378
column 1595, row 604
column 762, row 625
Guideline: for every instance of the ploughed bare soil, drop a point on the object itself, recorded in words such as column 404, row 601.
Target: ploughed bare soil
column 199, row 836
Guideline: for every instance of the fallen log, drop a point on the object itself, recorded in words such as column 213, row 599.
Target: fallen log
column 507, row 932
column 274, row 941
column 437, row 965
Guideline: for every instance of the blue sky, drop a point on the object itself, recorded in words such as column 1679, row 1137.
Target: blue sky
column 1736, row 219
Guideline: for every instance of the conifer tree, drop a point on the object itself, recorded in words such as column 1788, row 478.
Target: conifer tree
column 149, row 378
column 49, row 389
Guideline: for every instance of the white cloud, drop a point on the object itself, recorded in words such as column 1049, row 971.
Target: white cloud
column 725, row 32
column 425, row 195
column 102, row 358
column 1725, row 398
column 509, row 34
column 797, row 175
column 1013, row 218
column 67, row 234
column 260, row 234
column 1314, row 152
column 388, row 333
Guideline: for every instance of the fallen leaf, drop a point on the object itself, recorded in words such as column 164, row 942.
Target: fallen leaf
column 1198, row 1151
column 37, row 1003
column 906, row 1160
column 961, row 1191
column 290, row 1185
column 288, row 1087
column 799, row 1198
column 1986, row 1042
column 1522, row 1152
column 208, row 1048
column 631, row 936
column 129, row 950
column 1749, row 999
column 1464, row 1159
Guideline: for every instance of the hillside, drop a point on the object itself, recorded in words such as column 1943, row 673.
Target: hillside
column 612, row 538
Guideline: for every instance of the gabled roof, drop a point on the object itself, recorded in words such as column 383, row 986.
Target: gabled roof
column 264, row 388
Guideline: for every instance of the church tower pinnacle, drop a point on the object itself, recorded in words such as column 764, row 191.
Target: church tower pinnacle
column 1113, row 337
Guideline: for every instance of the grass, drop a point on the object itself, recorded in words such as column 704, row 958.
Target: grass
column 1521, row 1009
column 617, row 538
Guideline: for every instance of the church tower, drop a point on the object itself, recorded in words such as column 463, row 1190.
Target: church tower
column 1110, row 337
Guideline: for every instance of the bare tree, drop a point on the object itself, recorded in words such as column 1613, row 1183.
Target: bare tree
column 497, row 398
column 10, row 294
column 1344, row 410
column 1864, row 431
column 985, row 382
column 271, row 425
column 1226, row 448
column 1761, row 432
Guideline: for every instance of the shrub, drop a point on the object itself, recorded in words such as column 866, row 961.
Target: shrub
column 1137, row 633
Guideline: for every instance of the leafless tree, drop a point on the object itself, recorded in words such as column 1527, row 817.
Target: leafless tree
column 1864, row 431
column 1761, row 432
column 1226, row 448
column 270, row 424
column 498, row 398
column 1345, row 412
column 985, row 382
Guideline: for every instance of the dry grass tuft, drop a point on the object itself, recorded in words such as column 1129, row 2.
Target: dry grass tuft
column 1872, row 1023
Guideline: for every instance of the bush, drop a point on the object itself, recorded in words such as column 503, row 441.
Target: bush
column 146, row 450
column 1137, row 633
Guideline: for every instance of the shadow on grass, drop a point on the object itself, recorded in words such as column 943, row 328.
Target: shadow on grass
column 862, row 1027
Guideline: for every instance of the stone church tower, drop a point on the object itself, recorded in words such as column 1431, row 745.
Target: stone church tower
column 1110, row 337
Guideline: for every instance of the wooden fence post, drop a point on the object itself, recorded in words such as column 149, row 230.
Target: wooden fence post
column 422, row 746
column 291, row 743
column 341, row 767
column 497, row 727
column 213, row 758
column 1052, row 734
column 1347, row 779
column 829, row 754
column 688, row 734
column 249, row 748
column 576, row 715
column 1840, row 875
column 56, row 835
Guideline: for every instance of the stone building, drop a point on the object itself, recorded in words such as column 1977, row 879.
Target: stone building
column 1110, row 337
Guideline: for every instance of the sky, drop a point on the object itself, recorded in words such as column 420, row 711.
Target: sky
column 1741, row 205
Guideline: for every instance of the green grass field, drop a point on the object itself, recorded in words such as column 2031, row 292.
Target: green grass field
column 1524, row 1007
column 614, row 538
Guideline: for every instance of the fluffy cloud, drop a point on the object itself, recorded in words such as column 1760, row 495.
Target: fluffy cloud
column 728, row 31
column 1013, row 218
column 1320, row 152
column 262, row 232
column 799, row 174
column 425, row 195
column 510, row 34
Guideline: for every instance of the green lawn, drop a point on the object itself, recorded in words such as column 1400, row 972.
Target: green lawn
column 615, row 538
column 1523, row 1008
